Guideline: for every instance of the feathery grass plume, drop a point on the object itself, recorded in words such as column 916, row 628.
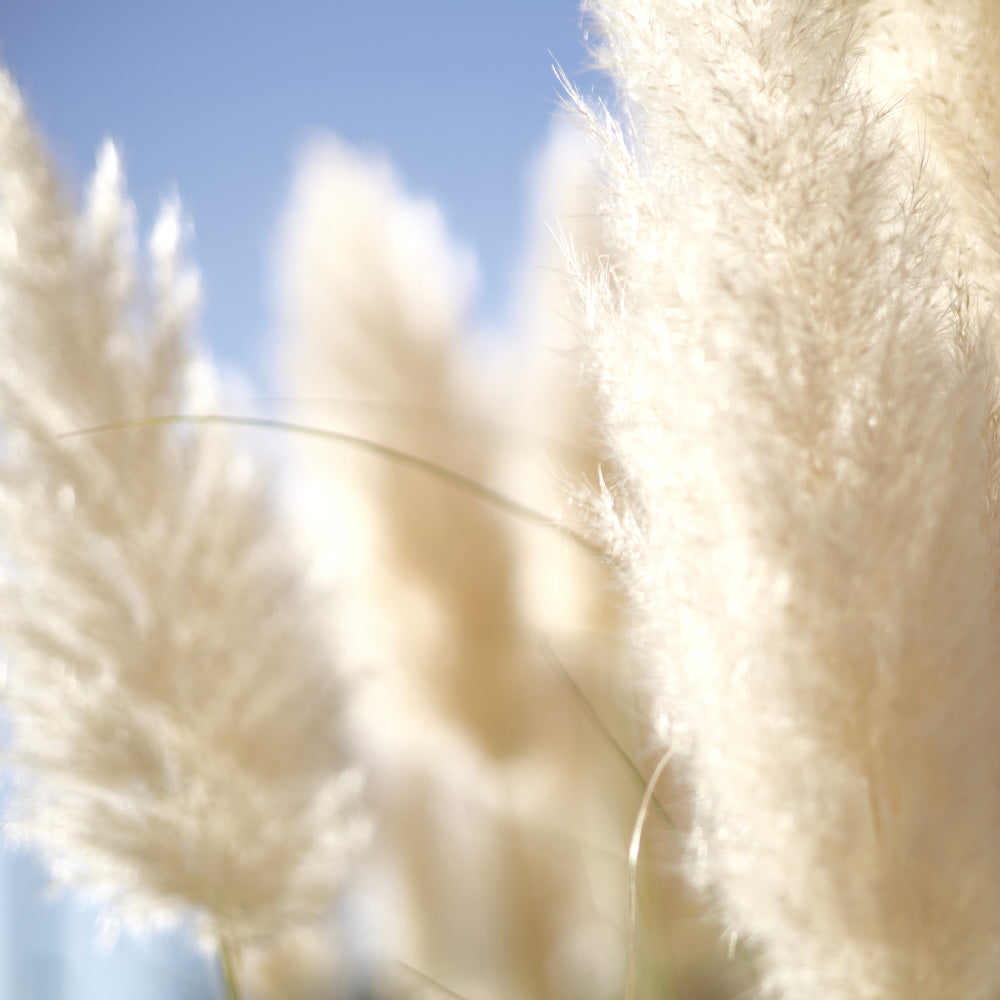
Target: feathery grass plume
column 174, row 703
column 375, row 296
column 373, row 299
column 375, row 311
column 498, row 798
column 801, row 411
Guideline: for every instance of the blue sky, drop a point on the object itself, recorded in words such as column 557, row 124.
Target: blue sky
column 213, row 100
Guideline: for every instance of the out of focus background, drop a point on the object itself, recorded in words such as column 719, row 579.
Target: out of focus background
column 215, row 102
column 382, row 194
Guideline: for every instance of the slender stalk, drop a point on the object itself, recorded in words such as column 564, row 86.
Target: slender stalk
column 588, row 709
column 452, row 478
column 442, row 415
column 429, row 980
column 633, row 874
column 229, row 963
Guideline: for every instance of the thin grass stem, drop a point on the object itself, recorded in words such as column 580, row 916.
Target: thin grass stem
column 439, row 415
column 633, row 875
column 455, row 479
column 429, row 980
column 229, row 963
column 588, row 709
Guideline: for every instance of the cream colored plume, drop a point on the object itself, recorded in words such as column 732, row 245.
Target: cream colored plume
column 375, row 315
column 801, row 404
column 374, row 305
column 174, row 703
column 478, row 748
column 940, row 59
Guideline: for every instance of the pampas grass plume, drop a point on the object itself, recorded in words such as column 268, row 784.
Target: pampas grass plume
column 802, row 415
column 175, row 702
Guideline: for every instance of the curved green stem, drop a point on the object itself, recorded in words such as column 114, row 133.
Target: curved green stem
column 493, row 497
column 229, row 962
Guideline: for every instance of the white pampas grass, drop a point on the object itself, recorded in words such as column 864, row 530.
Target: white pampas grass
column 941, row 60
column 175, row 706
column 501, row 809
column 374, row 299
column 801, row 403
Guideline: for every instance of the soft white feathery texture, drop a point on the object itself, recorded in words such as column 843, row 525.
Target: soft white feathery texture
column 801, row 407
column 941, row 60
column 175, row 707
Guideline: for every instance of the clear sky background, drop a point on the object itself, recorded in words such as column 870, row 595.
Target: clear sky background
column 213, row 100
